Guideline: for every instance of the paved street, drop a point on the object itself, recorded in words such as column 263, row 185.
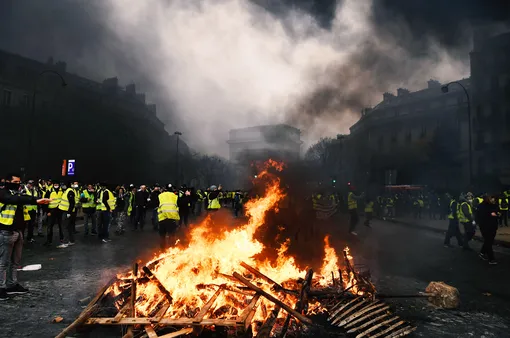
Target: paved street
column 401, row 259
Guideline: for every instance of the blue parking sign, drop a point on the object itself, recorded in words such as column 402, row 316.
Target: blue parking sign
column 70, row 167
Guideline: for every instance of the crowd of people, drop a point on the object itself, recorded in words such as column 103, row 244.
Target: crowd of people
column 485, row 211
column 32, row 209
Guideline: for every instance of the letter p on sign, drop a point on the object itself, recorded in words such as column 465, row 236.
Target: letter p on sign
column 70, row 167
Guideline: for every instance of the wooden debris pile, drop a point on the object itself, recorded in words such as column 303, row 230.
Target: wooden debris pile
column 288, row 309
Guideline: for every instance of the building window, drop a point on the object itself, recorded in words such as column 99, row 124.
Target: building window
column 6, row 97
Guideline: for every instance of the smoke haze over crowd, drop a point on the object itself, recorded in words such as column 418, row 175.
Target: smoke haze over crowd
column 221, row 64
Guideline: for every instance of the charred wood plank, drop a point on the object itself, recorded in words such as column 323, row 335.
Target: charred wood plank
column 161, row 313
column 203, row 311
column 273, row 299
column 82, row 318
column 123, row 310
column 248, row 313
column 402, row 332
column 374, row 311
column 345, row 305
column 160, row 285
column 375, row 327
column 388, row 330
column 261, row 275
column 370, row 322
column 133, row 289
column 150, row 331
column 267, row 327
column 162, row 322
column 357, row 314
column 347, row 311
column 181, row 332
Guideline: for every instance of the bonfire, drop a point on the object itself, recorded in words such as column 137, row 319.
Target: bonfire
column 218, row 280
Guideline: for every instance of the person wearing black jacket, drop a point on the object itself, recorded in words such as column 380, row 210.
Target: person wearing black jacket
column 141, row 200
column 487, row 216
column 184, row 204
column 12, row 226
column 153, row 204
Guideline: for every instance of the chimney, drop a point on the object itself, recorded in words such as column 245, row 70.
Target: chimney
column 131, row 89
column 402, row 92
column 61, row 66
column 388, row 96
column 111, row 85
column 433, row 84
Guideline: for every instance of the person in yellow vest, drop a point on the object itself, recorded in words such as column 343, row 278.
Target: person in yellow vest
column 87, row 198
column 67, row 206
column 200, row 201
column 369, row 212
column 418, row 205
column 503, row 210
column 54, row 214
column 453, row 223
column 106, row 207
column 352, row 206
column 168, row 213
column 13, row 217
column 466, row 218
column 213, row 199
column 131, row 210
column 31, row 190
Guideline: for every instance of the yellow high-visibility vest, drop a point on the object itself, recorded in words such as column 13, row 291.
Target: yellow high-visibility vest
column 503, row 203
column 111, row 201
column 168, row 208
column 452, row 213
column 214, row 204
column 90, row 200
column 64, row 201
column 55, row 199
column 9, row 211
column 33, row 193
column 351, row 201
column 369, row 207
column 460, row 214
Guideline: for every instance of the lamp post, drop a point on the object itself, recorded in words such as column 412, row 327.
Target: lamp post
column 177, row 133
column 445, row 89
column 32, row 114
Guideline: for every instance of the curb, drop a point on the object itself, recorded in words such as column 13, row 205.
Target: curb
column 424, row 227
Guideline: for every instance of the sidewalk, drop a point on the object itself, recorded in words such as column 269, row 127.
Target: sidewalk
column 502, row 237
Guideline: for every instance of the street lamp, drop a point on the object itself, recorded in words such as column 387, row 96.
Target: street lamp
column 178, row 133
column 32, row 115
column 444, row 89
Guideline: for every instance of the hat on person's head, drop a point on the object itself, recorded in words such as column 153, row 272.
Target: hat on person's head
column 213, row 187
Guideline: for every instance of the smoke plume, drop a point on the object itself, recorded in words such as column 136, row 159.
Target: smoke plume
column 229, row 63
column 214, row 65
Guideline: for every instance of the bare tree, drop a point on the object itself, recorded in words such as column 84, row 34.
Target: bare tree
column 321, row 152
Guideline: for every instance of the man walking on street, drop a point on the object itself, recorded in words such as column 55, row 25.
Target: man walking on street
column 503, row 210
column 152, row 205
column 13, row 218
column 168, row 214
column 453, row 225
column 54, row 214
column 466, row 217
column 68, row 207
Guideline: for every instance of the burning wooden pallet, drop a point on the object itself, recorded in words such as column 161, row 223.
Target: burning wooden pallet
column 303, row 302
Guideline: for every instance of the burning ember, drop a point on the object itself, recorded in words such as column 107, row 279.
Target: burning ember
column 192, row 274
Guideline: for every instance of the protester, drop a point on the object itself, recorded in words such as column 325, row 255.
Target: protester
column 487, row 216
column 121, row 207
column 13, row 217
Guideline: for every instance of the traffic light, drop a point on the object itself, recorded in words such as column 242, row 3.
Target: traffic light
column 334, row 181
column 255, row 176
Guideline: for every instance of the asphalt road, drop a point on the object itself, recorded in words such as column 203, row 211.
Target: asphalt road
column 401, row 259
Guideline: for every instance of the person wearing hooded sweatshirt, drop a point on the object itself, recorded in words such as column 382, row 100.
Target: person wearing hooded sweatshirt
column 487, row 216
column 466, row 218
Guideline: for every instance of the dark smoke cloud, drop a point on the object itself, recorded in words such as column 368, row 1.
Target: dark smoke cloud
column 365, row 48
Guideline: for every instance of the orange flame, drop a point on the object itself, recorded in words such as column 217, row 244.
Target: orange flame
column 193, row 274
